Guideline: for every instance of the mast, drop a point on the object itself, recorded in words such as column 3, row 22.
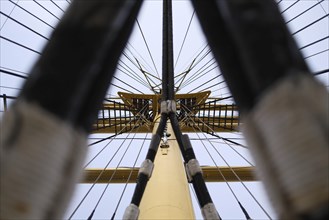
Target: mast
column 167, row 194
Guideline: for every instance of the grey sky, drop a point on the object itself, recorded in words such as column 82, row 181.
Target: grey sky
column 17, row 59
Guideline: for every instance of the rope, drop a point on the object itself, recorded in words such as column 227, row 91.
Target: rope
column 132, row 72
column 303, row 12
column 15, row 4
column 127, row 84
column 92, row 159
column 46, row 10
column 229, row 167
column 315, row 54
column 223, row 139
column 137, row 80
column 238, row 178
column 148, row 49
column 21, row 45
column 193, row 64
column 194, row 56
column 12, row 74
column 321, row 72
column 186, row 32
column 322, row 7
column 57, row 6
column 222, row 175
column 103, row 169
column 310, row 24
column 314, row 42
column 202, row 68
column 23, row 25
column 147, row 64
column 292, row 5
column 96, row 180
column 124, row 189
column 6, row 68
column 109, row 181
column 210, row 80
column 120, row 132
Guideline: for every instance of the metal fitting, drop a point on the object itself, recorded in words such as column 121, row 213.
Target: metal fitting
column 131, row 212
column 168, row 106
column 209, row 212
column 192, row 167
column 146, row 168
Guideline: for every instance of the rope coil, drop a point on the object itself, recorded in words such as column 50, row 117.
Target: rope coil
column 39, row 167
column 168, row 106
column 287, row 132
column 146, row 168
column 192, row 168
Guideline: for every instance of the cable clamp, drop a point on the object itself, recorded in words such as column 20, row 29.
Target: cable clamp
column 131, row 212
column 146, row 168
column 192, row 167
column 209, row 211
column 168, row 106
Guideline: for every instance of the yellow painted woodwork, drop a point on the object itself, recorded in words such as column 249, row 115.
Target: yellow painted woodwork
column 127, row 98
column 223, row 123
column 210, row 174
column 167, row 195
column 187, row 129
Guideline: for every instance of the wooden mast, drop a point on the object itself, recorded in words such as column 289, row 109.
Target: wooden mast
column 167, row 194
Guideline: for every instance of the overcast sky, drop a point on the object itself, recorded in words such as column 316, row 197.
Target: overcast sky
column 20, row 60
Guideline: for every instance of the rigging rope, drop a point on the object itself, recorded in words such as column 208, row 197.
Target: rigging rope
column 224, row 178
column 130, row 59
column 12, row 74
column 23, row 25
column 147, row 64
column 188, row 28
column 315, row 54
column 131, row 76
column 243, row 209
column 193, row 57
column 225, row 140
column 98, row 177
column 303, row 12
column 127, row 84
column 310, row 24
column 208, row 81
column 314, row 42
column 15, row 4
column 132, row 73
column 21, row 45
column 235, row 174
column 103, row 139
column 290, row 6
column 322, row 7
column 109, row 181
column 202, row 68
column 193, row 64
column 130, row 174
column 148, row 49
column 238, row 178
column 46, row 10
column 57, row 6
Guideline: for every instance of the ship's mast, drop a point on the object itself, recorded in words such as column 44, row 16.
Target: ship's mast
column 167, row 194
